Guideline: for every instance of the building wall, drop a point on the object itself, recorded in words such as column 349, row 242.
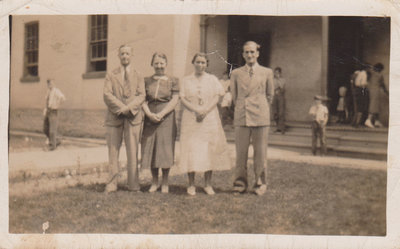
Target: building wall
column 62, row 56
column 63, row 44
column 296, row 47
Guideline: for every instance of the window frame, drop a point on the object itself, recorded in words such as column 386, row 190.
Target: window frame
column 97, row 44
column 31, row 51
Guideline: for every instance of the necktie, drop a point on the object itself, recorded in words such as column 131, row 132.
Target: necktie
column 251, row 72
column 127, row 88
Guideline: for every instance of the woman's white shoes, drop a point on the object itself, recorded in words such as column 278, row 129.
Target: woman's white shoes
column 209, row 190
column 153, row 188
column 191, row 190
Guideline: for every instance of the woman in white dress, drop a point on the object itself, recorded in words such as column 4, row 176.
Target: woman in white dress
column 203, row 143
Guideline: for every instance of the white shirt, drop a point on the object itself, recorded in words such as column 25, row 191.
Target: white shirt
column 253, row 67
column 127, row 69
column 54, row 97
column 361, row 79
column 319, row 113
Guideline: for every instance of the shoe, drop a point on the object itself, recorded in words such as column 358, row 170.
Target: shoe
column 209, row 190
column 378, row 124
column 153, row 188
column 261, row 190
column 191, row 190
column 111, row 187
column 164, row 189
column 369, row 124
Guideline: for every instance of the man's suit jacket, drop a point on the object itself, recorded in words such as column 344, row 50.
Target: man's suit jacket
column 115, row 97
column 252, row 95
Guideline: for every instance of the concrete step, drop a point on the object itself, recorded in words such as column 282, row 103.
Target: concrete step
column 342, row 141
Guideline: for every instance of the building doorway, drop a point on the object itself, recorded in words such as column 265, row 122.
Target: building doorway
column 345, row 54
column 238, row 34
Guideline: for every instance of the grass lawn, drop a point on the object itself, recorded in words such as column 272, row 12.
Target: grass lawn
column 301, row 199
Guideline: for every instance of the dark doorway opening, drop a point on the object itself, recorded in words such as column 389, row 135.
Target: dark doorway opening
column 238, row 34
column 345, row 41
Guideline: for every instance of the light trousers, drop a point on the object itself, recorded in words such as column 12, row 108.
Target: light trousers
column 258, row 136
column 131, row 135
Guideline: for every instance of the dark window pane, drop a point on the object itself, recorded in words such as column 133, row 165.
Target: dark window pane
column 33, row 71
column 93, row 20
column 100, row 65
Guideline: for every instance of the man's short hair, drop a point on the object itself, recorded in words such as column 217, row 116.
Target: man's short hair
column 252, row 43
column 125, row 45
column 278, row 69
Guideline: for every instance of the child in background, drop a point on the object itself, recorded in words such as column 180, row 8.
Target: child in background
column 341, row 108
column 224, row 105
column 320, row 114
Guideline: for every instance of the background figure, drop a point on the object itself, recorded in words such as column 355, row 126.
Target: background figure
column 361, row 95
column 320, row 114
column 124, row 95
column 159, row 131
column 224, row 106
column 203, row 143
column 279, row 102
column 341, row 108
column 54, row 97
column 375, row 83
column 252, row 90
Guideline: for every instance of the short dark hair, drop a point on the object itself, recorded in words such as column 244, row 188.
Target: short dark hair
column 378, row 67
column 200, row 54
column 278, row 69
column 258, row 46
column 161, row 55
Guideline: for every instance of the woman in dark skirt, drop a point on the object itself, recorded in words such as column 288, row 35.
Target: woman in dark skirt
column 159, row 131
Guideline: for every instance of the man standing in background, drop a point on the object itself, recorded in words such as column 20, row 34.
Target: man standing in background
column 54, row 97
column 279, row 102
column 252, row 92
column 124, row 94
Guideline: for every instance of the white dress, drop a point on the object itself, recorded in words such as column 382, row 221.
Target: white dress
column 203, row 144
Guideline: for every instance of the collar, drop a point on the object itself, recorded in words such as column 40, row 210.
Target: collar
column 160, row 77
column 256, row 65
column 128, row 68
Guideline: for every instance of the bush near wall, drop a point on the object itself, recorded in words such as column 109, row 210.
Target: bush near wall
column 74, row 123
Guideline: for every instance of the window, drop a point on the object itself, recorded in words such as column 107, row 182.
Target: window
column 31, row 55
column 98, row 43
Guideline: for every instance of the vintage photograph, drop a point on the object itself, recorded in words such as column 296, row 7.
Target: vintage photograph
column 198, row 124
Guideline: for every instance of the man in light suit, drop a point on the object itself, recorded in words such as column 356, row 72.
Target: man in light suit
column 124, row 94
column 252, row 93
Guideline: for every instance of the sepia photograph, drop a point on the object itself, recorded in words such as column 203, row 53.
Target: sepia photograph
column 198, row 124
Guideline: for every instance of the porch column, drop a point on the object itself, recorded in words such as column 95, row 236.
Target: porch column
column 203, row 33
column 324, row 56
column 182, row 33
